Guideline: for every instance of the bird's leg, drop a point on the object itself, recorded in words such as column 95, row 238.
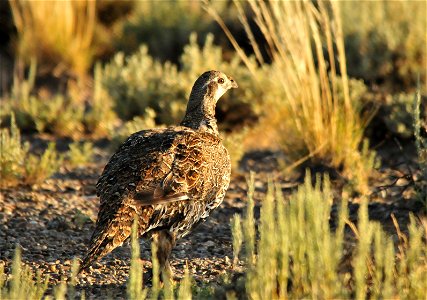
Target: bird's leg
column 165, row 241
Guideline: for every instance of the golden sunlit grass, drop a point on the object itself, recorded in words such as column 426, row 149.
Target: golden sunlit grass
column 57, row 33
column 309, row 104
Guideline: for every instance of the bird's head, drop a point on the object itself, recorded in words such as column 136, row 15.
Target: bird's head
column 213, row 84
column 207, row 90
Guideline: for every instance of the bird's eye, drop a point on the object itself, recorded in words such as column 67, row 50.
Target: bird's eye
column 221, row 80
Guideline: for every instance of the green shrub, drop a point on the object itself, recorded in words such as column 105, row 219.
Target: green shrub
column 298, row 256
column 100, row 117
column 385, row 41
column 138, row 82
column 17, row 165
column 120, row 134
column 38, row 168
column 80, row 154
column 60, row 115
column 397, row 112
column 12, row 154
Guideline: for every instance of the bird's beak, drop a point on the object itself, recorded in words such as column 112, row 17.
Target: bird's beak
column 233, row 83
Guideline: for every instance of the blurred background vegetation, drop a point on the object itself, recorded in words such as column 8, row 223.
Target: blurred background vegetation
column 309, row 79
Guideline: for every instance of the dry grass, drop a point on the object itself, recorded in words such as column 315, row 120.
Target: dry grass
column 57, row 33
column 309, row 103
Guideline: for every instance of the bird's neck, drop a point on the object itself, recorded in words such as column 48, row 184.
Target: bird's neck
column 200, row 115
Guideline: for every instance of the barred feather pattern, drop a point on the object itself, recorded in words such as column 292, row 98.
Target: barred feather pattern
column 168, row 179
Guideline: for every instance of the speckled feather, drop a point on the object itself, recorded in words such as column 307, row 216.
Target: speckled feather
column 169, row 179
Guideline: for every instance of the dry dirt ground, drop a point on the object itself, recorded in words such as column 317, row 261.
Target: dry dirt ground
column 52, row 223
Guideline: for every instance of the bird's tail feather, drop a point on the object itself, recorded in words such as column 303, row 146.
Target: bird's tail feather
column 104, row 241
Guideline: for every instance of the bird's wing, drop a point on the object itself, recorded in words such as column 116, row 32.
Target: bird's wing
column 186, row 164
column 154, row 167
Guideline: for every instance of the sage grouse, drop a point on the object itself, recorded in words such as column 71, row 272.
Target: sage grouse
column 168, row 179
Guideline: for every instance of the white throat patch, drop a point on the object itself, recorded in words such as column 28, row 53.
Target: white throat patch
column 219, row 92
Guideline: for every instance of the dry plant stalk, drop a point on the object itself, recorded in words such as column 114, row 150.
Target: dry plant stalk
column 310, row 99
column 57, row 33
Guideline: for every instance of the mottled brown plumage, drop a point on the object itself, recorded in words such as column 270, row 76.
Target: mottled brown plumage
column 168, row 179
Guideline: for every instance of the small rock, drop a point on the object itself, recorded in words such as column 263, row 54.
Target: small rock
column 53, row 268
column 209, row 244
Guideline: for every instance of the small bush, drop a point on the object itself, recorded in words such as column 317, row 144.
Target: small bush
column 60, row 115
column 138, row 82
column 147, row 121
column 80, row 154
column 397, row 114
column 100, row 117
column 12, row 154
column 38, row 168
column 17, row 165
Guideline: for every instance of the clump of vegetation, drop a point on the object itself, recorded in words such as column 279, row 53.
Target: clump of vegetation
column 138, row 82
column 17, row 165
column 38, row 168
column 24, row 284
column 119, row 135
column 57, row 33
column 398, row 110
column 60, row 115
column 234, row 142
column 99, row 118
column 298, row 256
column 12, row 154
column 385, row 41
column 21, row 284
column 80, row 154
column 309, row 101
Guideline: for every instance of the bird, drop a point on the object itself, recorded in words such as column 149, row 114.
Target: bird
column 168, row 180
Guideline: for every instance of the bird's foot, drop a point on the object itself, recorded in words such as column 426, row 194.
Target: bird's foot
column 166, row 275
